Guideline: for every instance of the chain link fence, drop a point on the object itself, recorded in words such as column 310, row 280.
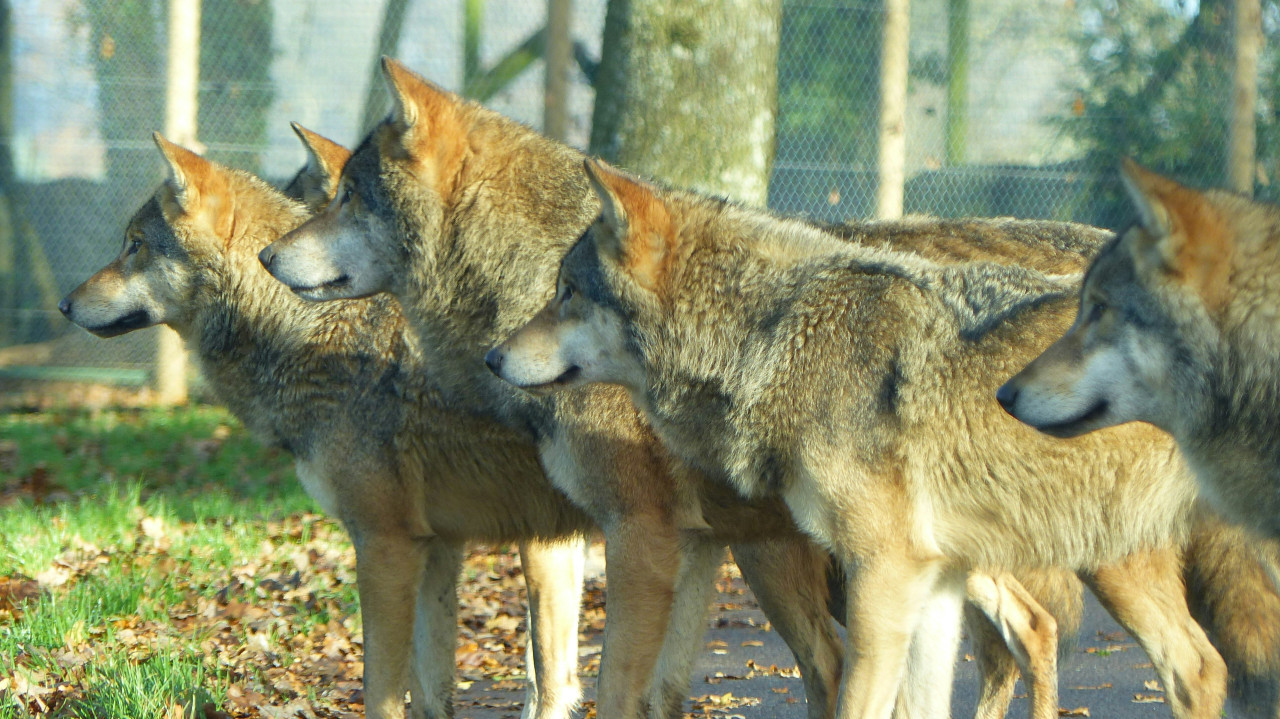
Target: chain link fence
column 1015, row 107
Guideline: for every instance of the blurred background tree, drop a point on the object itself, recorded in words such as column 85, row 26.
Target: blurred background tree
column 1154, row 86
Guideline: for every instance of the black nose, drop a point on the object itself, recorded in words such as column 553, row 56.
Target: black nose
column 1007, row 396
column 65, row 306
column 266, row 257
column 493, row 358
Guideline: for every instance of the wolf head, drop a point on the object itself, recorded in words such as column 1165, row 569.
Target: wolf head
column 613, row 276
column 175, row 243
column 350, row 247
column 1150, row 340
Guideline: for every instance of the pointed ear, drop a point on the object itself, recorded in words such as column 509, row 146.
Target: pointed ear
column 325, row 160
column 405, row 87
column 197, row 189
column 635, row 227
column 1185, row 234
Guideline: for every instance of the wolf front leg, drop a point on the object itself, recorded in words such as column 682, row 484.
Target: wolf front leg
column 642, row 560
column 389, row 568
column 1145, row 593
column 700, row 559
column 435, row 632
column 553, row 577
column 789, row 579
column 887, row 592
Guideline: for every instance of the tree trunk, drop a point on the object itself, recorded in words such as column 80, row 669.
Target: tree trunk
column 891, row 164
column 1242, row 136
column 957, row 80
column 687, row 92
column 181, row 113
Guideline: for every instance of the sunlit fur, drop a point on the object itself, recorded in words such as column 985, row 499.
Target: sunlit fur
column 1179, row 326
column 464, row 215
column 342, row 387
column 857, row 380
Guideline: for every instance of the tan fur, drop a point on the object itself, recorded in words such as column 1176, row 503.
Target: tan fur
column 486, row 241
column 831, row 372
column 337, row 385
column 1178, row 326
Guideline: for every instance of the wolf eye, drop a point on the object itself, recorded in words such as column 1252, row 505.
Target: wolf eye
column 134, row 246
column 1095, row 312
column 347, row 192
column 567, row 293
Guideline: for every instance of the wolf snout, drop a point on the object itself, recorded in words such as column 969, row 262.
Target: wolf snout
column 65, row 306
column 493, row 360
column 1007, row 396
column 267, row 256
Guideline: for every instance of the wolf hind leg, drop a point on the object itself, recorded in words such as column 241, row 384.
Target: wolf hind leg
column 1145, row 593
column 789, row 579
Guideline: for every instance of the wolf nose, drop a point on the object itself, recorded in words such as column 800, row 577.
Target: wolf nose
column 266, row 257
column 65, row 306
column 1007, row 396
column 493, row 358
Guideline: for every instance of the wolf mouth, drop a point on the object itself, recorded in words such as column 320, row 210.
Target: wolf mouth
column 1077, row 425
column 565, row 378
column 135, row 320
column 335, row 284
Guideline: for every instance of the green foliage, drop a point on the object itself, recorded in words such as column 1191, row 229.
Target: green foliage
column 1156, row 86
column 126, row 42
column 235, row 79
column 828, row 75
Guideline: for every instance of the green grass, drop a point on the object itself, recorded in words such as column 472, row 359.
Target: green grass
column 154, row 559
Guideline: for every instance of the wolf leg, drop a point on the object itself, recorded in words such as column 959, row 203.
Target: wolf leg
column 1030, row 633
column 435, row 632
column 553, row 576
column 925, row 692
column 700, row 560
column 788, row 577
column 388, row 570
column 887, row 592
column 1232, row 595
column 642, row 561
column 1144, row 592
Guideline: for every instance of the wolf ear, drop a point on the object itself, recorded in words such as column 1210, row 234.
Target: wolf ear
column 318, row 181
column 636, row 230
column 1185, row 234
column 196, row 189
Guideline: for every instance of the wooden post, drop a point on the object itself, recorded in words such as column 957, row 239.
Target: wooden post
column 559, row 54
column 891, row 162
column 957, row 80
column 180, row 111
column 1242, row 135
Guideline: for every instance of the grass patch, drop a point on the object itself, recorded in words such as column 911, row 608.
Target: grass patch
column 162, row 563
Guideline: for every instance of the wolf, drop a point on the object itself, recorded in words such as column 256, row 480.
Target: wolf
column 338, row 388
column 344, row 387
column 1175, row 327
column 850, row 379
column 447, row 180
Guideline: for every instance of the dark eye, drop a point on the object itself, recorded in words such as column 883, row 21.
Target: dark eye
column 134, row 246
column 347, row 192
column 1095, row 312
column 567, row 293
